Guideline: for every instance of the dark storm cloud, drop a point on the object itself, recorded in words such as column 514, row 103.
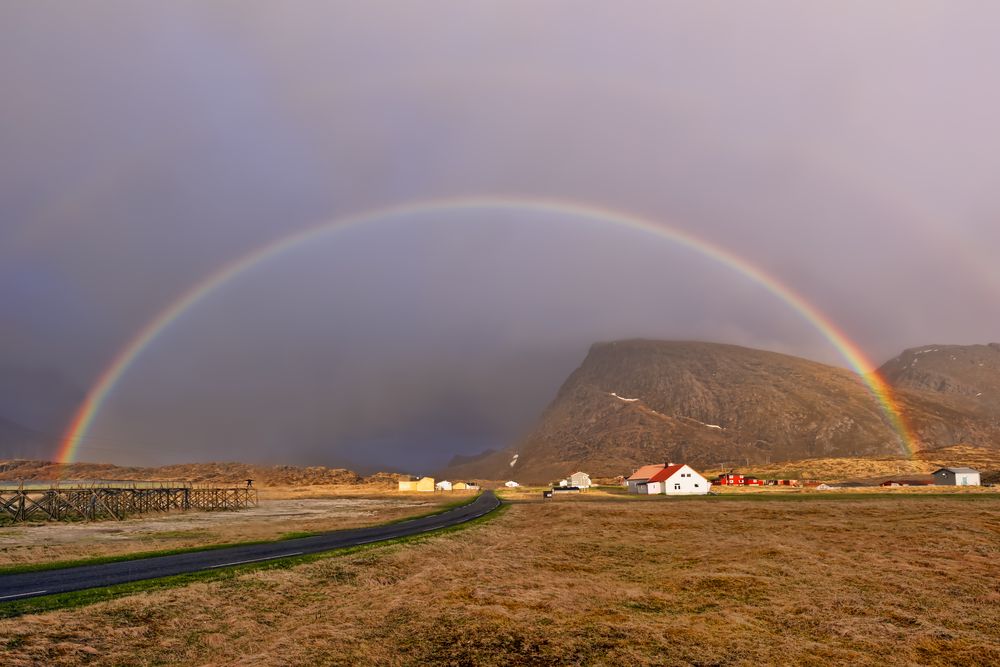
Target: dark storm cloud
column 845, row 148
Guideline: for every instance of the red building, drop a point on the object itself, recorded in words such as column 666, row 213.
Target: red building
column 736, row 479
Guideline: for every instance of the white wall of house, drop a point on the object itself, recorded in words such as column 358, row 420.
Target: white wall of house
column 686, row 481
column 444, row 485
column 654, row 487
column 580, row 479
column 967, row 479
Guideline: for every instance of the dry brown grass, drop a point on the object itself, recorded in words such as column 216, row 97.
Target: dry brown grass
column 869, row 581
column 282, row 510
column 842, row 469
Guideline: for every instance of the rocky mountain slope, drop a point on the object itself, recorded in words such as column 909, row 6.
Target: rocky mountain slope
column 638, row 401
column 950, row 393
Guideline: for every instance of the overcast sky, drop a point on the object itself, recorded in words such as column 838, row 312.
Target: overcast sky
column 849, row 149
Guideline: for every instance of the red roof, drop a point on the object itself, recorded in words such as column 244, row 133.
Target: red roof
column 645, row 472
column 666, row 473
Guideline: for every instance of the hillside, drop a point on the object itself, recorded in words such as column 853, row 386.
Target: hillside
column 967, row 372
column 636, row 401
column 869, row 470
column 214, row 473
column 950, row 393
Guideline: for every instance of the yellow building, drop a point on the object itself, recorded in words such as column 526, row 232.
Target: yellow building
column 465, row 486
column 422, row 484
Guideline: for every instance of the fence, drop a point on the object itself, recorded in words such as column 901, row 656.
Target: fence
column 91, row 500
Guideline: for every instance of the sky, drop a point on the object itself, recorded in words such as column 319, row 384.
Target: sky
column 847, row 149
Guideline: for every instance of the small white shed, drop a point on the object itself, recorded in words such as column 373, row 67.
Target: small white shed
column 443, row 485
column 511, row 484
column 957, row 477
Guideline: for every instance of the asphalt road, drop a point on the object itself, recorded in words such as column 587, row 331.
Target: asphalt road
column 32, row 584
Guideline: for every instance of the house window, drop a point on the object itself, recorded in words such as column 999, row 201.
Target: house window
column 696, row 485
column 677, row 487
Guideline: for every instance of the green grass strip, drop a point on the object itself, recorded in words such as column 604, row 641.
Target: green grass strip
column 89, row 596
column 100, row 560
column 764, row 496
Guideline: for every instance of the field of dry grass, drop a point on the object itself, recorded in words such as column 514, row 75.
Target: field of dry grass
column 811, row 580
column 282, row 510
column 846, row 469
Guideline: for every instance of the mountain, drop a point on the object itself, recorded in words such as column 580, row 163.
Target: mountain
column 639, row 401
column 970, row 373
column 950, row 393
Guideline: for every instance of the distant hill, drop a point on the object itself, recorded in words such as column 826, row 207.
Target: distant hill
column 636, row 401
column 967, row 376
column 712, row 405
column 951, row 393
column 214, row 473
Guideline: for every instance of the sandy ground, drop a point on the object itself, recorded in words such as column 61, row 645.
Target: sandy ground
column 271, row 519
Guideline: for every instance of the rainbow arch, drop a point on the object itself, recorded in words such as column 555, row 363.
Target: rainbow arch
column 78, row 428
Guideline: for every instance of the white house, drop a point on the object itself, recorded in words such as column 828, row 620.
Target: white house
column 443, row 485
column 638, row 482
column 670, row 479
column 511, row 484
column 581, row 480
column 957, row 477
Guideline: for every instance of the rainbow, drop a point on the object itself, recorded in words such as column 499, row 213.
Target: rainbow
column 77, row 430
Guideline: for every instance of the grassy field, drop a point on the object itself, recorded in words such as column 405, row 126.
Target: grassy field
column 859, row 579
column 843, row 469
column 281, row 512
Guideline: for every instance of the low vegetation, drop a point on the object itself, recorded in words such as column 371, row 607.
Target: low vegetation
column 282, row 513
column 868, row 469
column 859, row 579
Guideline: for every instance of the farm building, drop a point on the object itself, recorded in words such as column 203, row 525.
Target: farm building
column 443, row 485
column 681, row 479
column 637, row 482
column 907, row 482
column 736, row 479
column 465, row 486
column 511, row 484
column 669, row 479
column 422, row 484
column 581, row 480
column 957, row 477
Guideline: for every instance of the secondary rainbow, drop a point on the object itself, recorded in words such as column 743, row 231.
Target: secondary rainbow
column 76, row 432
